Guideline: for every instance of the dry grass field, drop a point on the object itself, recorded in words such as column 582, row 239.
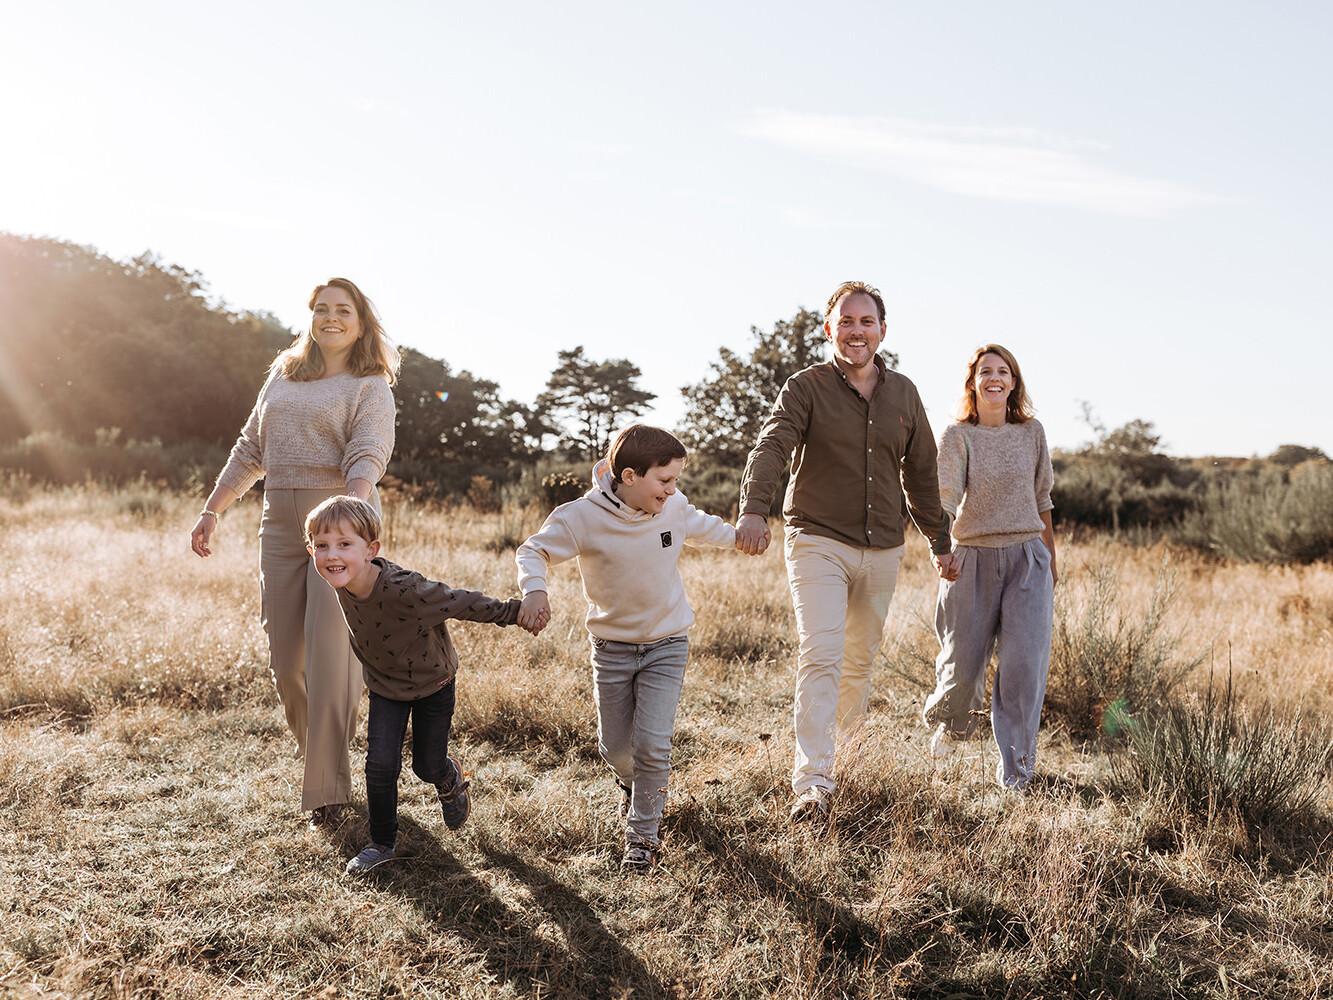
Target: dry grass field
column 152, row 845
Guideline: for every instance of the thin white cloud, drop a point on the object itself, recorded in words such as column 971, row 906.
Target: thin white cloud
column 979, row 162
column 804, row 219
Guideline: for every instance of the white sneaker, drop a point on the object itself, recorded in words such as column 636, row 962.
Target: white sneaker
column 811, row 806
column 942, row 744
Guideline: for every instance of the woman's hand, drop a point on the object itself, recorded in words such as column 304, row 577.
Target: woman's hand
column 219, row 500
column 202, row 533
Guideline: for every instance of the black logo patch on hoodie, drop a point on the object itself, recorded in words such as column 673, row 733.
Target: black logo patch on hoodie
column 666, row 539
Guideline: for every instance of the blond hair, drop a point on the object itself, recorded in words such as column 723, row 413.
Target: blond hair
column 372, row 354
column 354, row 512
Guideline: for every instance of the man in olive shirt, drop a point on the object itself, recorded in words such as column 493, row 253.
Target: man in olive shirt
column 862, row 455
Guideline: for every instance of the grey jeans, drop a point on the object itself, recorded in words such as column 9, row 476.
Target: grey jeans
column 1002, row 601
column 637, row 688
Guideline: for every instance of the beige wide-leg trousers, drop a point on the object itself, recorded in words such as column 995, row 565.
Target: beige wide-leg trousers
column 317, row 675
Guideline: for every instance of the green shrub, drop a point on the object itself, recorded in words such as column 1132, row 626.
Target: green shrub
column 1109, row 662
column 562, row 487
column 1210, row 757
column 1276, row 516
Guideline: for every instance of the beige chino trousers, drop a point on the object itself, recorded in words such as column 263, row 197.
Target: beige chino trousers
column 841, row 595
column 317, row 675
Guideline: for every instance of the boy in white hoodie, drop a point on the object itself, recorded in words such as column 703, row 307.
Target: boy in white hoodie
column 626, row 533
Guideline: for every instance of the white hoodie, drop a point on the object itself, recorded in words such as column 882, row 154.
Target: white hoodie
column 627, row 559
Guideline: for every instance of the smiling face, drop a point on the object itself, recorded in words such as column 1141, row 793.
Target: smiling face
column 649, row 492
column 856, row 331
column 343, row 558
column 335, row 324
column 992, row 381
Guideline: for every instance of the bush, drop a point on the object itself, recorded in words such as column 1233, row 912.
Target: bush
column 562, row 487
column 52, row 458
column 1272, row 517
column 1109, row 663
column 1209, row 757
column 1100, row 495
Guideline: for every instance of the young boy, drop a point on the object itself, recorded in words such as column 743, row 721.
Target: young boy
column 626, row 533
column 397, row 618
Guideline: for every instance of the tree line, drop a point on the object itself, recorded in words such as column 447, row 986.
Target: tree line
column 116, row 370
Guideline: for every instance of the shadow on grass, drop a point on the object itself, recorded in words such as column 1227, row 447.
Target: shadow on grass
column 450, row 897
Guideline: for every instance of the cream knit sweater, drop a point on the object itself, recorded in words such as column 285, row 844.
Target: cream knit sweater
column 314, row 435
column 995, row 481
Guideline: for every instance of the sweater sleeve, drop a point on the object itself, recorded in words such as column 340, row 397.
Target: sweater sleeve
column 553, row 543
column 434, row 602
column 245, row 464
column 1045, row 476
column 702, row 528
column 783, row 430
column 953, row 467
column 371, row 440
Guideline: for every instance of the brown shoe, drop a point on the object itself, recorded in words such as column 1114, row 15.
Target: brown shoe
column 326, row 819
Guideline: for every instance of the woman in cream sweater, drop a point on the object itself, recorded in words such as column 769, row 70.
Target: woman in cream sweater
column 995, row 483
column 322, row 426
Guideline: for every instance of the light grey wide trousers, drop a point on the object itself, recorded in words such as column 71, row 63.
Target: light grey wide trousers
column 1002, row 601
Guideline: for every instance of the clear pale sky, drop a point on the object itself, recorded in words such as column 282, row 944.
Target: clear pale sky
column 1133, row 197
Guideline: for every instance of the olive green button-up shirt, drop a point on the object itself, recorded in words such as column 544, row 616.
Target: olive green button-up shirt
column 857, row 466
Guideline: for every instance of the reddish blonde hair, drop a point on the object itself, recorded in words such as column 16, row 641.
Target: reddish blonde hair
column 1018, row 408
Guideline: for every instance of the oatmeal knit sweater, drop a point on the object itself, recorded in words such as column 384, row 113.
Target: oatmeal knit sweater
column 314, row 435
column 995, row 481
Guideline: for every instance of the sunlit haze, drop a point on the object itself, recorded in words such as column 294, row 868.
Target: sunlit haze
column 1133, row 197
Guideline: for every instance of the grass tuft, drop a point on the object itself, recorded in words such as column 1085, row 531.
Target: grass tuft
column 1210, row 756
column 1110, row 661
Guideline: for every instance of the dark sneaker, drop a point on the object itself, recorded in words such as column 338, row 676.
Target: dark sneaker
column 328, row 818
column 371, row 856
column 455, row 803
column 626, row 796
column 639, row 858
column 811, row 807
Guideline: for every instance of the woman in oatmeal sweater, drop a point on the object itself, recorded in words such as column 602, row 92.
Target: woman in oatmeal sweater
column 322, row 426
column 995, row 482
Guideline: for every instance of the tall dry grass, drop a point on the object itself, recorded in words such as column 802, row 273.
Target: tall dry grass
column 152, row 845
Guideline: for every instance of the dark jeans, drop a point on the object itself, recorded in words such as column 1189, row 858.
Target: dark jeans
column 385, row 729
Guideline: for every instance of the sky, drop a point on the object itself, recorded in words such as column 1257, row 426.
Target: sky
column 1131, row 197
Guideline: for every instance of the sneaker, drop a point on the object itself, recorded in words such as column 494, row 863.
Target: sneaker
column 455, row 803
column 626, row 796
column 942, row 744
column 639, row 859
column 327, row 818
column 811, row 806
column 371, row 856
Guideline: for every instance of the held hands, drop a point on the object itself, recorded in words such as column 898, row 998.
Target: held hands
column 534, row 614
column 946, row 564
column 752, row 535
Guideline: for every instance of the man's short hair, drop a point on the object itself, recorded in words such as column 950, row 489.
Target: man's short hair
column 853, row 288
column 641, row 447
column 357, row 514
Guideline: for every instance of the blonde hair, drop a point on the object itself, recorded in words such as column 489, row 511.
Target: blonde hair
column 372, row 354
column 1018, row 407
column 354, row 512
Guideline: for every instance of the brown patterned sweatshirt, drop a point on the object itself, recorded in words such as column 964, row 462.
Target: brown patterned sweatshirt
column 399, row 634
